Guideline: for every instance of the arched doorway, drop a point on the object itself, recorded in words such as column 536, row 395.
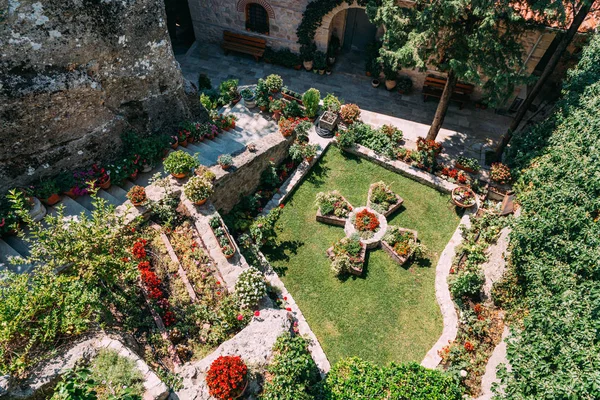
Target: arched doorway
column 359, row 32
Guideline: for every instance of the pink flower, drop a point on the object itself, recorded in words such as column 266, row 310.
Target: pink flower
column 240, row 317
column 256, row 313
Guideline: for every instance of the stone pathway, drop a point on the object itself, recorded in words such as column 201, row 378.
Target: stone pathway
column 495, row 266
column 469, row 131
column 489, row 378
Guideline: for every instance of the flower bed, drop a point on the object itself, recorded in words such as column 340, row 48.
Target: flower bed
column 222, row 235
column 383, row 200
column 347, row 256
column 333, row 208
column 400, row 243
column 366, row 223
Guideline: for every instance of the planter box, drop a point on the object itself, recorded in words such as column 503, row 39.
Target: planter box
column 496, row 192
column 332, row 219
column 228, row 238
column 395, row 256
column 357, row 268
column 328, row 120
column 466, row 169
column 290, row 97
column 393, row 208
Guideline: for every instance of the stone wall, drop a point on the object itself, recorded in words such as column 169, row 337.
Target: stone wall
column 74, row 74
column 244, row 176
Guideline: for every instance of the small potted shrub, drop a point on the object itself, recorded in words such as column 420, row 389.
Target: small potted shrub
column 102, row 177
column 375, row 83
column 309, row 152
column 320, row 62
column 137, row 195
column 307, row 54
column 287, row 126
column 274, row 83
column 350, row 113
column 198, row 189
column 389, row 61
column 249, row 97
column 47, row 191
column 182, row 137
column 276, row 106
column 174, row 142
column 180, row 163
column 311, row 100
column 295, row 152
column 229, row 91
column 225, row 161
column 227, row 378
column 405, row 84
column 500, row 173
column 332, row 103
column 301, row 130
column 468, row 164
column 205, row 172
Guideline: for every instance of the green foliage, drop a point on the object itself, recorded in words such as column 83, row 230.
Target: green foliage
column 311, row 99
column 180, row 162
column 472, row 39
column 294, row 374
column 292, row 110
column 274, row 82
column 332, row 103
column 76, row 384
column 262, row 229
column 375, row 139
column 554, row 246
column 353, row 378
column 116, row 376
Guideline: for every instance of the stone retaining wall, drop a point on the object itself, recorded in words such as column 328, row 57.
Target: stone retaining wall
column 244, row 176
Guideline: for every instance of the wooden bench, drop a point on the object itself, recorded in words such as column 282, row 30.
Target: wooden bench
column 434, row 87
column 244, row 44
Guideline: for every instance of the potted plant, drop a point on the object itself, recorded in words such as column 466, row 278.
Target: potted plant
column 180, row 163
column 320, row 62
column 276, row 106
column 174, row 142
column 333, row 48
column 205, row 172
column 137, row 195
column 295, row 152
column 468, row 164
column 375, row 82
column 228, row 251
column 332, row 103
column 311, row 100
column 309, row 152
column 405, row 84
column 102, row 177
column 389, row 61
column 225, row 161
column 47, row 191
column 287, row 126
column 65, row 183
column 463, row 197
column 249, row 97
column 227, row 378
column 182, row 137
column 198, row 189
column 350, row 113
column 229, row 91
column 500, row 173
column 307, row 54
column 274, row 83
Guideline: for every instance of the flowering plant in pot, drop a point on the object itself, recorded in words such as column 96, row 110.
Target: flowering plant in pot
column 468, row 164
column 275, row 106
column 309, row 151
column 137, row 195
column 198, row 189
column 182, row 137
column 287, row 126
column 350, row 113
column 429, row 146
column 274, row 83
column 205, row 172
column 174, row 141
column 225, row 161
column 227, row 377
column 102, row 177
column 180, row 163
column 47, row 191
column 500, row 173
column 463, row 197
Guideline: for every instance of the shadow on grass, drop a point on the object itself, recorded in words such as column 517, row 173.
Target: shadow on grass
column 278, row 252
column 318, row 175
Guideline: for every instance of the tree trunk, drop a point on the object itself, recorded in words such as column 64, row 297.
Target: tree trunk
column 552, row 63
column 440, row 113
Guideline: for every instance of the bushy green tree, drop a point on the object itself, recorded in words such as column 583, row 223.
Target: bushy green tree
column 474, row 41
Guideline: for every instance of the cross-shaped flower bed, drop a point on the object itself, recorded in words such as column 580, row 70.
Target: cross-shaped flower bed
column 365, row 228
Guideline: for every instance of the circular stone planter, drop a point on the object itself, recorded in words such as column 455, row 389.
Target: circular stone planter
column 374, row 241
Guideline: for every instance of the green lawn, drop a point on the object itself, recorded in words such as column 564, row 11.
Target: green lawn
column 388, row 314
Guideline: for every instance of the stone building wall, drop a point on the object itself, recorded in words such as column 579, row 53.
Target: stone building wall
column 244, row 177
column 74, row 74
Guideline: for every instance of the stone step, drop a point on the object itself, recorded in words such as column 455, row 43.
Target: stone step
column 144, row 177
column 72, row 209
column 118, row 193
column 207, row 152
column 6, row 252
column 87, row 201
column 128, row 184
column 21, row 246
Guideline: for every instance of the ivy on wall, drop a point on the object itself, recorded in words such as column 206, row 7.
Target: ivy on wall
column 313, row 15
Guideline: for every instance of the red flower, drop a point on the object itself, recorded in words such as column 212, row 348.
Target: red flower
column 281, row 205
column 366, row 221
column 218, row 282
column 256, row 313
column 139, row 249
column 285, row 298
column 288, row 309
column 469, row 346
column 240, row 317
column 225, row 377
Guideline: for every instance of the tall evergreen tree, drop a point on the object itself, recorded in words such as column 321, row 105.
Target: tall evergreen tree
column 549, row 12
column 471, row 40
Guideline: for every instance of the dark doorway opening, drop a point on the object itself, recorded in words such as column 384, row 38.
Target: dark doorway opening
column 359, row 30
column 180, row 26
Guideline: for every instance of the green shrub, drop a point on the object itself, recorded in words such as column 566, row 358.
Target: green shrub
column 353, row 378
column 466, row 284
column 180, row 162
column 311, row 99
column 294, row 374
column 554, row 246
column 116, row 376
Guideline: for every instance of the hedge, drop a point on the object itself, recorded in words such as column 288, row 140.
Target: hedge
column 554, row 279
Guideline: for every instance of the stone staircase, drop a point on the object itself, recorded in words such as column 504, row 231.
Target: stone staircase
column 251, row 126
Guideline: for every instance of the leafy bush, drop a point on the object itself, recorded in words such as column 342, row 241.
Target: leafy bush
column 274, row 82
column 332, row 103
column 250, row 287
column 554, row 246
column 180, row 162
column 293, row 373
column 311, row 99
column 116, row 376
column 350, row 113
column 198, row 188
column 353, row 378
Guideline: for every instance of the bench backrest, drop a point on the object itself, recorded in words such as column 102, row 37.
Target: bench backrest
column 245, row 40
column 440, row 82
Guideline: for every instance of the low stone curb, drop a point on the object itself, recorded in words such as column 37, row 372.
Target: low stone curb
column 442, row 294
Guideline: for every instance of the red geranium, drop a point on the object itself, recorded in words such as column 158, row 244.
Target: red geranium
column 139, row 249
column 226, row 376
column 366, row 221
column 469, row 346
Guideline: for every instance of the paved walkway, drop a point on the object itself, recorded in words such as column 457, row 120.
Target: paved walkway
column 469, row 131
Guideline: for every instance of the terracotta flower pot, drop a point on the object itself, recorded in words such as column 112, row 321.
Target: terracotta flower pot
column 191, row 139
column 368, row 73
column 276, row 115
column 298, row 67
column 232, row 124
column 133, row 176
column 53, row 199
column 138, row 203
column 228, row 257
column 179, row 176
column 175, row 145
column 71, row 193
column 184, row 143
column 225, row 166
column 105, row 185
column 236, row 100
column 310, row 159
column 200, row 202
column 262, row 108
column 389, row 84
